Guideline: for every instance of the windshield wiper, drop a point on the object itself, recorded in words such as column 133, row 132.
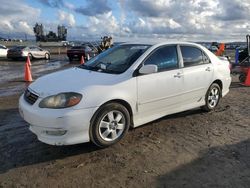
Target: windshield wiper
column 88, row 67
column 110, row 71
column 99, row 69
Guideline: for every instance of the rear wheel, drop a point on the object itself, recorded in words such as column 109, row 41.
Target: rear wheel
column 212, row 97
column 109, row 125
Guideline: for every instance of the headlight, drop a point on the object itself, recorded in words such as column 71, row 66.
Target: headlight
column 61, row 100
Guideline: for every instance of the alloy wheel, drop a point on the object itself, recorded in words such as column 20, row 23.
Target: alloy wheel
column 112, row 125
column 213, row 97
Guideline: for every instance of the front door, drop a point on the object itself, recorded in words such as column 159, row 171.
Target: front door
column 160, row 93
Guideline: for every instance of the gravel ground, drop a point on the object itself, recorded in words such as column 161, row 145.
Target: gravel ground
column 188, row 149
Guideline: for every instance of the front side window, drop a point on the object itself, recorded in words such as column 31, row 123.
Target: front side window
column 191, row 56
column 165, row 58
column 116, row 60
column 33, row 48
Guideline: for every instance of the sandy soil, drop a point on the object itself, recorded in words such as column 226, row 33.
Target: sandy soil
column 189, row 149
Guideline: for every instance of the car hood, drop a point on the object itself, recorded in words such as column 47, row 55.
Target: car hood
column 71, row 80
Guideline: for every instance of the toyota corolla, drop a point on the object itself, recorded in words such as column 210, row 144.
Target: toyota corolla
column 126, row 86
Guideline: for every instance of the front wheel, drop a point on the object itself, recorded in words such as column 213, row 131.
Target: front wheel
column 109, row 125
column 212, row 97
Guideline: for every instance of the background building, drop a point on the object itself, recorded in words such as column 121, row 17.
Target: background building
column 51, row 36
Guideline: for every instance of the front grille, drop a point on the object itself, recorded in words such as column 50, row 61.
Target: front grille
column 30, row 97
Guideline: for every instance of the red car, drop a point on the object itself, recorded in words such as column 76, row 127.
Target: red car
column 79, row 51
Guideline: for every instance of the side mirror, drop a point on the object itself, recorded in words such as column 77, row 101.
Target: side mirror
column 148, row 69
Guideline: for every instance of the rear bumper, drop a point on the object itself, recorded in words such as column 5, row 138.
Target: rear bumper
column 226, row 85
column 57, row 126
column 74, row 55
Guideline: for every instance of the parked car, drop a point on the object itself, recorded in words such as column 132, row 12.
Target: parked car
column 77, row 52
column 3, row 51
column 126, row 86
column 18, row 52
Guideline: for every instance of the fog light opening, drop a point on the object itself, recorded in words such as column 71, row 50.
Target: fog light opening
column 56, row 133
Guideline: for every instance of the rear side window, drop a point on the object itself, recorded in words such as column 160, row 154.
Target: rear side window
column 192, row 56
column 206, row 59
column 165, row 58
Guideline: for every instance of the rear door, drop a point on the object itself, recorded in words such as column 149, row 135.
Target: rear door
column 160, row 92
column 197, row 73
column 35, row 52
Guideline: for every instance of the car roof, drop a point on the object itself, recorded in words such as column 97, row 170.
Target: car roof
column 152, row 43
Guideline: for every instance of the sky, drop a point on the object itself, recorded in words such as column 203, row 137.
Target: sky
column 125, row 20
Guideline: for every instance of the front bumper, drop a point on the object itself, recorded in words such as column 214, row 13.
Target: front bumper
column 57, row 126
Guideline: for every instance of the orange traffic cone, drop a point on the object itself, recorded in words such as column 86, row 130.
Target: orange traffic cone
column 27, row 73
column 247, row 81
column 28, row 61
column 82, row 61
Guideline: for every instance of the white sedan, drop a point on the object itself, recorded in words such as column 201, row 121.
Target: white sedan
column 126, row 86
column 3, row 51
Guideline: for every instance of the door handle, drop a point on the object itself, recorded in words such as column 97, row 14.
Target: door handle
column 208, row 69
column 178, row 75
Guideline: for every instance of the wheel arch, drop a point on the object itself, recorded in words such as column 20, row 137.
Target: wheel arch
column 219, row 82
column 30, row 55
column 119, row 101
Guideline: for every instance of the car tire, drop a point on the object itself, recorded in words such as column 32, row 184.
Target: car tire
column 212, row 97
column 47, row 56
column 109, row 125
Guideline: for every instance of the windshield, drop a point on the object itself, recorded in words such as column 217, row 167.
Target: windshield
column 116, row 60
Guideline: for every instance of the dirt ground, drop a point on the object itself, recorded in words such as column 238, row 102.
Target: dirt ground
column 189, row 149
